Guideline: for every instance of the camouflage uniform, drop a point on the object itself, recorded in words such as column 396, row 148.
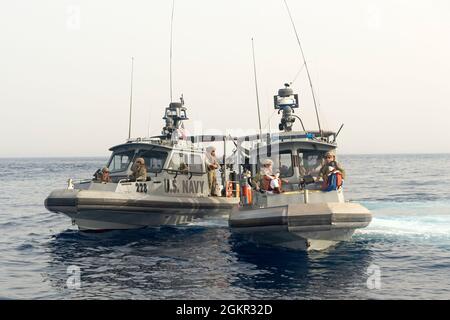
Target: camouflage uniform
column 139, row 173
column 211, row 165
column 212, row 181
column 257, row 181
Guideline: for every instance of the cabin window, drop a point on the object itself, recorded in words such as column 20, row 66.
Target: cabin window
column 285, row 164
column 310, row 162
column 154, row 160
column 178, row 162
column 195, row 163
column 120, row 161
column 186, row 162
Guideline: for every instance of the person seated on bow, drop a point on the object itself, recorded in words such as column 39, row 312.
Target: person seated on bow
column 104, row 175
column 270, row 182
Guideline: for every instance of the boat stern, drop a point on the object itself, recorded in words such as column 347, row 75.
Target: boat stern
column 301, row 226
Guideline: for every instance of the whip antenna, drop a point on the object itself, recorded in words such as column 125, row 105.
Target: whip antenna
column 131, row 98
column 306, row 67
column 256, row 89
column 171, row 47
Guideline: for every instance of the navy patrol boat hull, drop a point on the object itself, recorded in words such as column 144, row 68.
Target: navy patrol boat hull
column 305, row 208
column 103, row 210
column 300, row 226
column 175, row 191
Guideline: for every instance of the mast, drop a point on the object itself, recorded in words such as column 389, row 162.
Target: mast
column 256, row 89
column 131, row 98
column 306, row 67
column 171, row 49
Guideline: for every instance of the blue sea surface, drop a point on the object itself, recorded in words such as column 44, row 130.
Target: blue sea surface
column 406, row 247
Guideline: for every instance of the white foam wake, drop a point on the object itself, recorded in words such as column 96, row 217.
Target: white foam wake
column 416, row 225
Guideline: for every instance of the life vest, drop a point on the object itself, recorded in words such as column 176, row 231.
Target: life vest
column 230, row 189
column 266, row 183
column 333, row 182
column 247, row 195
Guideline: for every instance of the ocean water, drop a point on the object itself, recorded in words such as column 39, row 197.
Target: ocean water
column 403, row 254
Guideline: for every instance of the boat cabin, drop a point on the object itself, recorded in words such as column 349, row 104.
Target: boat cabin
column 158, row 157
column 172, row 169
column 295, row 155
column 179, row 161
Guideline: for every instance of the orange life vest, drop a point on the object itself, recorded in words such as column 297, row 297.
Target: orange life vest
column 266, row 183
column 247, row 195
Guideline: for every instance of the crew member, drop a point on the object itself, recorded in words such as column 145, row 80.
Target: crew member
column 211, row 166
column 104, row 175
column 330, row 166
column 270, row 182
column 139, row 170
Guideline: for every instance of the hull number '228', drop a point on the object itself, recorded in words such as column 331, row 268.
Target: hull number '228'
column 141, row 187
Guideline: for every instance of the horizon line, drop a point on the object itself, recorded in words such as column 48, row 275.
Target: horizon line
column 107, row 156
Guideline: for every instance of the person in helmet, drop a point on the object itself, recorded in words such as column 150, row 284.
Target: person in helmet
column 139, row 170
column 104, row 175
column 330, row 165
column 270, row 182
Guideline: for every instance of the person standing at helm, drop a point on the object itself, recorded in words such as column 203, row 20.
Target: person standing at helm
column 139, row 170
column 211, row 166
column 330, row 166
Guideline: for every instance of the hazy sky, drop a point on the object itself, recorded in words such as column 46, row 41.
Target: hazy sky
column 382, row 67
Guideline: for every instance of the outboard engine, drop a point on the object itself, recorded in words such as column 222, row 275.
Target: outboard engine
column 286, row 101
column 174, row 116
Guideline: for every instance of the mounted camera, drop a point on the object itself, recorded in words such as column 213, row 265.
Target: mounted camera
column 286, row 101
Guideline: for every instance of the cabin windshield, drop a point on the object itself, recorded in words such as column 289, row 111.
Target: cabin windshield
column 120, row 161
column 282, row 163
column 154, row 159
column 310, row 162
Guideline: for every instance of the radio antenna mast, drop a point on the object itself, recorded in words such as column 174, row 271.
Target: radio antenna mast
column 306, row 67
column 256, row 89
column 131, row 98
column 171, row 48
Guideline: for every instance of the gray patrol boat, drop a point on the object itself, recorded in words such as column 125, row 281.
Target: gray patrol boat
column 176, row 191
column 307, row 215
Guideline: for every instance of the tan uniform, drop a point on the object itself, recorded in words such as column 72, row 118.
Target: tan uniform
column 212, row 181
column 212, row 177
column 105, row 177
column 257, row 180
column 140, row 173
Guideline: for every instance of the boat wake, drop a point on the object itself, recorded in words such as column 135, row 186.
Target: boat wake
column 426, row 220
column 427, row 226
